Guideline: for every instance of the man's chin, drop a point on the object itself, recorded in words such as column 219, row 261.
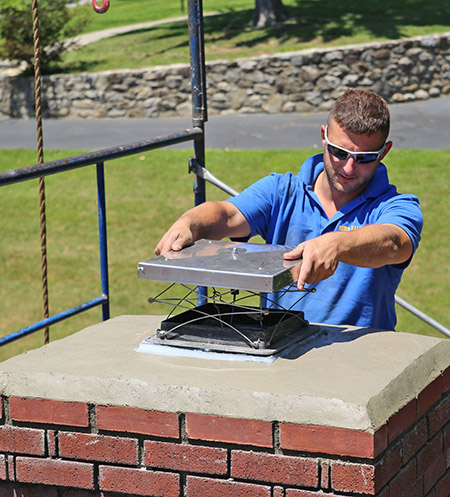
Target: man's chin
column 348, row 187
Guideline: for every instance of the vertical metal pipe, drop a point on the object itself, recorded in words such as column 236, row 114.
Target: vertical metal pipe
column 102, row 238
column 198, row 69
column 199, row 104
column 197, row 59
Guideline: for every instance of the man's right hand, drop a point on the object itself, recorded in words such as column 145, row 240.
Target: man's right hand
column 211, row 220
column 177, row 237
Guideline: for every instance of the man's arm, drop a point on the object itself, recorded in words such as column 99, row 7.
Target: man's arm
column 372, row 246
column 212, row 220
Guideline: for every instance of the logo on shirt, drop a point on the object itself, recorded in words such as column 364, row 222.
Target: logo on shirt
column 348, row 228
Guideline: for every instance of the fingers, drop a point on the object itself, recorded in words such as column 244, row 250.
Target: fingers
column 318, row 261
column 295, row 253
column 298, row 272
column 174, row 239
column 163, row 247
column 179, row 243
column 304, row 275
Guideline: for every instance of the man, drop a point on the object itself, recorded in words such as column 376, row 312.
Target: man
column 354, row 233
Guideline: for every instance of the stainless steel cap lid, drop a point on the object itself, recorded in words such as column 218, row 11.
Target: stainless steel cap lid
column 241, row 266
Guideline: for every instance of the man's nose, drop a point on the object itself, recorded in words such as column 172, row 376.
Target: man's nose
column 350, row 165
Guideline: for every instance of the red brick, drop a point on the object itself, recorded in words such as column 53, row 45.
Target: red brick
column 229, row 430
column 325, row 476
column 286, row 470
column 55, row 472
column 3, row 468
column 414, row 440
column 357, row 478
column 443, row 486
column 13, row 489
column 439, row 415
column 191, row 458
column 49, row 411
column 432, row 462
column 11, row 468
column 384, row 493
column 446, row 381
column 380, row 440
column 132, row 420
column 327, row 440
column 290, row 492
column 52, row 443
column 207, row 487
column 278, row 492
column 430, row 454
column 76, row 492
column 429, row 396
column 434, row 473
column 447, row 436
column 139, row 482
column 22, row 441
column 404, row 483
column 402, row 420
column 388, row 466
column 98, row 448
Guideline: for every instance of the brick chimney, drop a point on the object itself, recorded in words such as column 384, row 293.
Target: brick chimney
column 351, row 412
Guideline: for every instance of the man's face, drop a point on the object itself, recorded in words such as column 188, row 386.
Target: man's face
column 347, row 176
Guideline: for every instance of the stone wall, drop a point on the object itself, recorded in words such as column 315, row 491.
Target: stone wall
column 410, row 69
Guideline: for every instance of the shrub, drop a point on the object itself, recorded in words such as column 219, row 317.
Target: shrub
column 57, row 23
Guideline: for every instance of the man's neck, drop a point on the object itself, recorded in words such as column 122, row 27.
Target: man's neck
column 331, row 199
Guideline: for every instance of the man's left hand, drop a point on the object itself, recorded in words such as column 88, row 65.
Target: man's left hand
column 319, row 259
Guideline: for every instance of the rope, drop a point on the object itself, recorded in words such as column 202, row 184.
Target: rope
column 40, row 153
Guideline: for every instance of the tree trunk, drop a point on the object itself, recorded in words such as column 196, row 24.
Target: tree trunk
column 268, row 13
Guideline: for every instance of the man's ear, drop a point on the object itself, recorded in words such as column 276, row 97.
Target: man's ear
column 322, row 134
column 386, row 149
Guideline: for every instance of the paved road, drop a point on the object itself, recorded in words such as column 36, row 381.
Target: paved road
column 414, row 125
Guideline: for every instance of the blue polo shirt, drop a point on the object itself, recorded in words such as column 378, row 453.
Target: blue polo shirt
column 283, row 209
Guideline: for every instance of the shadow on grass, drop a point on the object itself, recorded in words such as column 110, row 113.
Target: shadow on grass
column 330, row 20
column 310, row 21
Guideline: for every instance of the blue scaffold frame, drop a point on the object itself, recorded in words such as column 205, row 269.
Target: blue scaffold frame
column 196, row 166
column 195, row 134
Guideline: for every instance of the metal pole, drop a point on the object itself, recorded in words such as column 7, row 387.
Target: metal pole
column 107, row 154
column 61, row 316
column 197, row 59
column 103, row 239
column 208, row 176
column 199, row 105
column 421, row 315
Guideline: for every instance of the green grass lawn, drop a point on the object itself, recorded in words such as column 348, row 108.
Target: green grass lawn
column 124, row 12
column 145, row 194
column 228, row 35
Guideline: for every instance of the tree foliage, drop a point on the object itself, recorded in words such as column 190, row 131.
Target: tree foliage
column 57, row 23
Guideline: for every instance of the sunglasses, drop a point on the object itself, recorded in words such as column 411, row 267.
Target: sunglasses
column 343, row 154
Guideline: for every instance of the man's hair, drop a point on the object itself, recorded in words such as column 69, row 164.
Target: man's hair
column 361, row 112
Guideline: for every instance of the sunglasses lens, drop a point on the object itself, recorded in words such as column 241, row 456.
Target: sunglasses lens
column 337, row 152
column 366, row 158
column 342, row 154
